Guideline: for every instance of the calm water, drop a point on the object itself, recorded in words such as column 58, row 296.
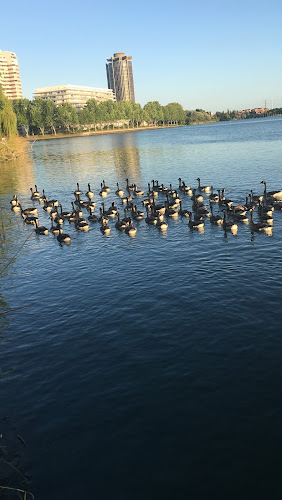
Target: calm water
column 145, row 368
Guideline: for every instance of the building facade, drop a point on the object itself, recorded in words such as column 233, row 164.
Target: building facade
column 73, row 94
column 120, row 76
column 10, row 76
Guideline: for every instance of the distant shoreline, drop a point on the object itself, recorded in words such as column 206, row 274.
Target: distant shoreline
column 47, row 137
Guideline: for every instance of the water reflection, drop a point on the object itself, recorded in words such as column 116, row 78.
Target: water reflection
column 16, row 176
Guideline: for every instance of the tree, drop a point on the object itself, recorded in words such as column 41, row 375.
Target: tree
column 37, row 114
column 66, row 116
column 50, row 115
column 155, row 112
column 8, row 119
column 21, row 108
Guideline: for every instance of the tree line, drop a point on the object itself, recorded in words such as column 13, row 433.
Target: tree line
column 41, row 116
column 8, row 119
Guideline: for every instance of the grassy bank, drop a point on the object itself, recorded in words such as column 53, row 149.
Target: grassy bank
column 97, row 132
column 12, row 148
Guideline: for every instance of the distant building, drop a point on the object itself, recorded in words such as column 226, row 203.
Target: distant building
column 257, row 111
column 120, row 76
column 10, row 76
column 74, row 94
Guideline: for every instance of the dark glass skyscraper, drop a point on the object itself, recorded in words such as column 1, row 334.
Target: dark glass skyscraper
column 120, row 76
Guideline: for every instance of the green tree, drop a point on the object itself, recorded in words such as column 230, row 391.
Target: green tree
column 50, row 115
column 154, row 111
column 8, row 119
column 21, row 108
column 37, row 115
column 66, row 116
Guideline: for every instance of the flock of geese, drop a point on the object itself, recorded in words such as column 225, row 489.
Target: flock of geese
column 158, row 204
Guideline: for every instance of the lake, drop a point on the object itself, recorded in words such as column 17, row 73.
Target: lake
column 146, row 367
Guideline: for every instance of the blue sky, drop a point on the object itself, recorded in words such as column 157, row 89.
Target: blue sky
column 204, row 54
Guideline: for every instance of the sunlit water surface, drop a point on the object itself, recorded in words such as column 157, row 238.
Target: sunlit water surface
column 145, row 368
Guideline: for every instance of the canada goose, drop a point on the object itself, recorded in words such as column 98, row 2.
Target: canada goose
column 201, row 209
column 187, row 189
column 265, row 215
column 30, row 219
column 16, row 208
column 28, row 211
column 151, row 219
column 126, row 199
column 14, row 201
column 163, row 189
column 126, row 219
column 55, row 229
column 265, row 209
column 183, row 213
column 229, row 226
column 151, row 193
column 170, row 212
column 256, row 197
column 47, row 206
column 40, row 229
column 215, row 219
column 120, row 224
column 155, row 188
column 74, row 211
column 171, row 204
column 161, row 224
column 81, row 225
column 77, row 192
column 222, row 200
column 103, row 192
column 158, row 209
column 63, row 237
column 106, row 187
column 92, row 217
column 214, row 198
column 129, row 187
column 65, row 215
column 239, row 216
column 180, row 184
column 262, row 227
column 105, row 229
column 130, row 229
column 33, row 196
column 103, row 217
column 119, row 191
column 89, row 193
column 196, row 197
column 195, row 224
column 137, row 192
column 137, row 214
column 206, row 189
column 90, row 205
column 44, row 197
column 108, row 213
column 271, row 194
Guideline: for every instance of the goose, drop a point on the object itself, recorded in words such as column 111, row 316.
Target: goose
column 201, row 210
column 103, row 217
column 161, row 224
column 222, row 200
column 81, row 225
column 187, row 189
column 265, row 216
column 30, row 219
column 262, row 227
column 48, row 205
column 77, row 192
column 28, row 211
column 89, row 193
column 158, row 209
column 256, row 197
column 92, row 217
column 196, row 197
column 14, row 201
column 170, row 212
column 271, row 194
column 74, row 211
column 63, row 237
column 126, row 199
column 229, row 226
column 180, row 184
column 90, row 205
column 108, row 213
column 129, row 205
column 155, row 189
column 106, row 187
column 183, row 213
column 171, row 204
column 151, row 193
column 54, row 229
column 16, row 208
column 206, row 189
column 137, row 214
column 120, row 224
column 103, row 192
column 239, row 216
column 151, row 219
column 129, row 187
column 215, row 219
column 195, row 224
column 119, row 191
column 34, row 194
column 126, row 219
column 265, row 209
column 105, row 229
column 163, row 189
column 214, row 198
column 65, row 215
column 40, row 229
column 137, row 192
column 130, row 229
column 44, row 197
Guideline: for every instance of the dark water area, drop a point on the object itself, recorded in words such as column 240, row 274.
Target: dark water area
column 146, row 367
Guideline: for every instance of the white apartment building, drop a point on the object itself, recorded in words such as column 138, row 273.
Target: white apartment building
column 10, row 80
column 76, row 95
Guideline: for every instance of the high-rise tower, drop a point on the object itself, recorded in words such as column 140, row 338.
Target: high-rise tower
column 10, row 76
column 120, row 76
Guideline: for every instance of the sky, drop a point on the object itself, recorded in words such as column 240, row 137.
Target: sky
column 215, row 55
